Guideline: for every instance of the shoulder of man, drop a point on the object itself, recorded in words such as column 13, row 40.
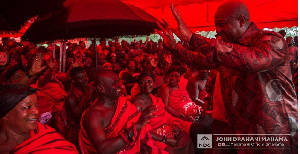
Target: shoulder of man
column 276, row 39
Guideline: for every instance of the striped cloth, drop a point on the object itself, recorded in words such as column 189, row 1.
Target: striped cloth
column 45, row 140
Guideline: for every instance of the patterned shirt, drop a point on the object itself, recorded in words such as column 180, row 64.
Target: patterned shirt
column 252, row 71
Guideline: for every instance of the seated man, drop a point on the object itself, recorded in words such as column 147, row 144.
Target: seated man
column 20, row 130
column 77, row 101
column 107, row 126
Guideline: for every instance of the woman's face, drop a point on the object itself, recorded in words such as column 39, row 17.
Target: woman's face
column 174, row 78
column 146, row 84
column 17, row 76
column 23, row 117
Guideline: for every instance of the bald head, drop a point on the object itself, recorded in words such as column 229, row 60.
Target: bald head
column 102, row 76
column 232, row 19
column 233, row 9
column 108, row 85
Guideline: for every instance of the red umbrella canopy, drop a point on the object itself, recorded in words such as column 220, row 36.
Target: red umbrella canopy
column 89, row 10
column 199, row 14
column 90, row 18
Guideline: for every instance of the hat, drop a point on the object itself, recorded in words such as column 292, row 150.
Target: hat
column 11, row 95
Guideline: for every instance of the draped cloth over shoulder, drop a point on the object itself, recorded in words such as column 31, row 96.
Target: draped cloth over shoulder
column 126, row 113
column 45, row 140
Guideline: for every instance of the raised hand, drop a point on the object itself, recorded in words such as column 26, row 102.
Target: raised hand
column 167, row 35
column 51, row 64
column 181, row 31
column 146, row 115
column 37, row 64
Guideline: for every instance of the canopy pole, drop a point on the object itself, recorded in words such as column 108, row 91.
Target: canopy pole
column 64, row 55
column 95, row 48
column 60, row 57
column 53, row 50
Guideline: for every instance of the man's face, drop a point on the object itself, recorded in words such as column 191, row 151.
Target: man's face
column 227, row 27
column 112, row 86
column 81, row 79
column 275, row 86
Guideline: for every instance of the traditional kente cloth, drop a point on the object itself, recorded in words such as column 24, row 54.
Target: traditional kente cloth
column 252, row 70
column 45, row 140
column 165, row 124
column 125, row 114
column 180, row 101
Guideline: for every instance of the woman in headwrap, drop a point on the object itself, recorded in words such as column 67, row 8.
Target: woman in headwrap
column 176, row 98
column 20, row 131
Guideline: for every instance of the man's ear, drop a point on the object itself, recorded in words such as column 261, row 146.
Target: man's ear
column 242, row 20
column 100, row 88
column 4, row 117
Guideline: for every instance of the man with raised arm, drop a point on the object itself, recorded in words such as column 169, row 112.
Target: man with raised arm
column 248, row 60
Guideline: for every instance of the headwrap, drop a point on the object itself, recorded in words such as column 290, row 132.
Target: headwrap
column 11, row 95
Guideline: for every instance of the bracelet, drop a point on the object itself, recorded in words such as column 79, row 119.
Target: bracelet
column 28, row 75
column 129, row 135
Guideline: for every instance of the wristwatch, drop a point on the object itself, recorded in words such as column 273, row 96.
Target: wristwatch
column 28, row 75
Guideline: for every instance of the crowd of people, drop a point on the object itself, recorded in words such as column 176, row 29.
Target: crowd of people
column 151, row 97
